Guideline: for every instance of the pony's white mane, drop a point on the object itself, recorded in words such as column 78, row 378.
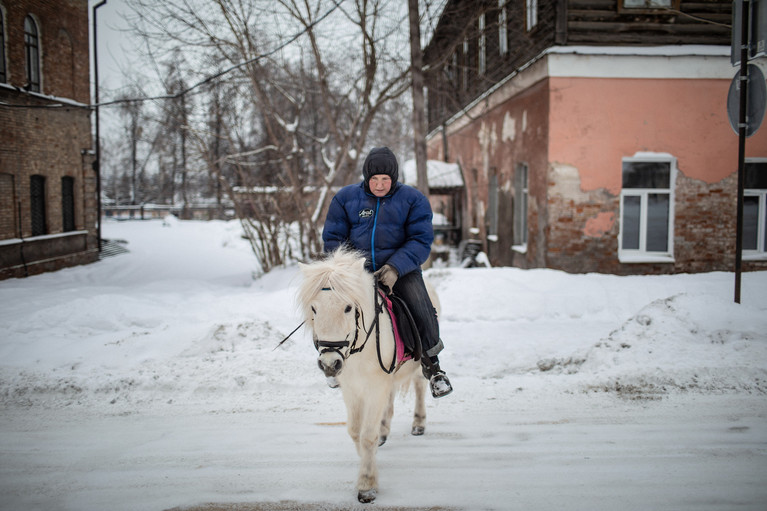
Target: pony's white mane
column 343, row 273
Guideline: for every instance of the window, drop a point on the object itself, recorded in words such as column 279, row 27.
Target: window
column 755, row 209
column 7, row 207
column 649, row 4
column 68, row 203
column 453, row 70
column 465, row 74
column 492, row 208
column 520, row 206
column 37, row 205
column 531, row 14
column 482, row 64
column 503, row 32
column 646, row 209
column 3, row 74
column 32, row 54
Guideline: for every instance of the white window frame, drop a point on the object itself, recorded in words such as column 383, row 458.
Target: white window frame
column 482, row 57
column 503, row 30
column 759, row 254
column 647, row 4
column 3, row 61
column 642, row 255
column 531, row 14
column 521, row 207
column 465, row 66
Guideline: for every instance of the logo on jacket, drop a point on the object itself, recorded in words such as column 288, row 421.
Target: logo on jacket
column 366, row 213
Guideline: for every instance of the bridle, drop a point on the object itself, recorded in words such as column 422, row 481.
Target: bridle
column 352, row 348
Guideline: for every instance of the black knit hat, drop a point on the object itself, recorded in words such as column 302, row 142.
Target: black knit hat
column 380, row 160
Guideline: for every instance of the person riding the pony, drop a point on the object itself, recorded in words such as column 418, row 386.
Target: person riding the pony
column 391, row 224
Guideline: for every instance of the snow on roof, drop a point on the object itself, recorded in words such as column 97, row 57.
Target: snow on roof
column 667, row 51
column 440, row 174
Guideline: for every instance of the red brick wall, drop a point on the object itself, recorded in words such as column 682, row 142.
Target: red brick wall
column 504, row 137
column 575, row 227
column 45, row 136
column 63, row 33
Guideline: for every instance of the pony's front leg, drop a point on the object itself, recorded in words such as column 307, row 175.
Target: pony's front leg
column 386, row 421
column 370, row 431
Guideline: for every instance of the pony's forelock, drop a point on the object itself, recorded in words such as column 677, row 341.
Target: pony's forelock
column 341, row 272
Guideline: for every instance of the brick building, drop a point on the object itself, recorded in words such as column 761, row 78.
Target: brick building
column 48, row 201
column 593, row 135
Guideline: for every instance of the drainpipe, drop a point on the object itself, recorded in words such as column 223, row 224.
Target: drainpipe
column 97, row 162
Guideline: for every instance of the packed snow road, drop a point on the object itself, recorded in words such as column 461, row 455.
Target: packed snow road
column 575, row 452
column 150, row 381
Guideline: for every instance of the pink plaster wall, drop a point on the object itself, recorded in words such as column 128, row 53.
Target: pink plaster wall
column 594, row 123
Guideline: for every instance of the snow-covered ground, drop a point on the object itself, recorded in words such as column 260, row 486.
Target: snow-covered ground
column 150, row 381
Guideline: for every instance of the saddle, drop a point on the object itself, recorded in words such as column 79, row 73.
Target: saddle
column 407, row 340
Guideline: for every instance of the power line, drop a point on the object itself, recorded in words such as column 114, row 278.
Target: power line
column 336, row 5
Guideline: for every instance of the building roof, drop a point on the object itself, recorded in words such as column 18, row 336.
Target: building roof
column 440, row 174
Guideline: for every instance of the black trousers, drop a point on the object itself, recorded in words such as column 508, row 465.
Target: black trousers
column 412, row 290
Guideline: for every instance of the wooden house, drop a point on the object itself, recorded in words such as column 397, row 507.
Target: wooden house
column 593, row 135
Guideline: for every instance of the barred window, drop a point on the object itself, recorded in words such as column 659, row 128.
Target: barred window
column 68, row 203
column 37, row 205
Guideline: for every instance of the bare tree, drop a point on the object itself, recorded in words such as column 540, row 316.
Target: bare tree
column 312, row 105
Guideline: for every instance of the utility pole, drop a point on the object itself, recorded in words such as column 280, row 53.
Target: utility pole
column 742, row 124
column 416, row 73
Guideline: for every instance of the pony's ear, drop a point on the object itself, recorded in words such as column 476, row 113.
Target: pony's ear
column 360, row 264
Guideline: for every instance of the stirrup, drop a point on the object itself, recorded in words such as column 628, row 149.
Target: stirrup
column 440, row 385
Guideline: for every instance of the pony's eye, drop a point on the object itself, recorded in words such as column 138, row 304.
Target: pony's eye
column 314, row 311
column 348, row 309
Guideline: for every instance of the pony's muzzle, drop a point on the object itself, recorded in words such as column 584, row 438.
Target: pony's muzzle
column 331, row 367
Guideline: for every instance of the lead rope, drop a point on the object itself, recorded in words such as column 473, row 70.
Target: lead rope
column 353, row 349
column 290, row 334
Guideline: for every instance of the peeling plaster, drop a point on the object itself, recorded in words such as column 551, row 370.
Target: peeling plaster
column 509, row 130
column 487, row 140
column 566, row 182
column 599, row 225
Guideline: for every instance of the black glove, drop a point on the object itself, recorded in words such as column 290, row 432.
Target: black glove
column 387, row 276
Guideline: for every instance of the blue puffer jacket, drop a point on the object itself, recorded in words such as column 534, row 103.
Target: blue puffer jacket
column 395, row 229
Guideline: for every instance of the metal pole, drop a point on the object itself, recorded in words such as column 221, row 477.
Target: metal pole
column 97, row 163
column 742, row 124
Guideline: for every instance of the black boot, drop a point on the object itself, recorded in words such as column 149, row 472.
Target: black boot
column 438, row 380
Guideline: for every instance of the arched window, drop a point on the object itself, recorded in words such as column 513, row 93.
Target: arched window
column 3, row 73
column 32, row 53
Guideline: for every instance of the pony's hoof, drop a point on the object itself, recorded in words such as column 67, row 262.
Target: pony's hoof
column 367, row 496
column 381, row 440
column 418, row 430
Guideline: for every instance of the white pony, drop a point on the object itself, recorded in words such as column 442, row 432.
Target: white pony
column 338, row 298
